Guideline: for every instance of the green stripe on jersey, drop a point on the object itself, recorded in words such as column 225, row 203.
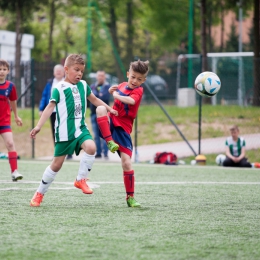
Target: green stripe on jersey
column 238, row 146
column 71, row 105
column 235, row 147
column 83, row 96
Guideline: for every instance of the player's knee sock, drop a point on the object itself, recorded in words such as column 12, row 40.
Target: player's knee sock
column 85, row 165
column 104, row 127
column 47, row 179
column 12, row 157
column 129, row 181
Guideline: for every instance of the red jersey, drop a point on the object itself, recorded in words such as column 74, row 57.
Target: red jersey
column 7, row 92
column 126, row 113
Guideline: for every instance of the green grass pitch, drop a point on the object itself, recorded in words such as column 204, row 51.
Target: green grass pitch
column 187, row 213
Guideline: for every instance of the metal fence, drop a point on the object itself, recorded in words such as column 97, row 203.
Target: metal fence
column 235, row 73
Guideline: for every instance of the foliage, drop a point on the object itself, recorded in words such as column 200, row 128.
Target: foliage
column 160, row 28
column 232, row 43
column 165, row 24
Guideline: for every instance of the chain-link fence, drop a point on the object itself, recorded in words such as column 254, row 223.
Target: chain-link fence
column 240, row 86
column 237, row 76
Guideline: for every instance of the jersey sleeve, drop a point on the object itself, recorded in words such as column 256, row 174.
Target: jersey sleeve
column 55, row 95
column 88, row 88
column 243, row 143
column 226, row 143
column 89, row 91
column 137, row 94
column 13, row 94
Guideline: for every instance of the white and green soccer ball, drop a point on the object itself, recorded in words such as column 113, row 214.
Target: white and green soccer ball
column 207, row 84
column 220, row 159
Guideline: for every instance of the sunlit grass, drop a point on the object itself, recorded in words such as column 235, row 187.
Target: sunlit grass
column 186, row 213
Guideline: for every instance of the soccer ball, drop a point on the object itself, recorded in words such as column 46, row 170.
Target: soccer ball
column 207, row 84
column 220, row 159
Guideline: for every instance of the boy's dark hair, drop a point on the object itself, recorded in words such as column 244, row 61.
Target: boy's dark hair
column 74, row 59
column 4, row 63
column 140, row 67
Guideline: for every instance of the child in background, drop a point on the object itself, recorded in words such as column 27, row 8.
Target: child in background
column 8, row 97
column 236, row 151
column 127, row 98
column 71, row 133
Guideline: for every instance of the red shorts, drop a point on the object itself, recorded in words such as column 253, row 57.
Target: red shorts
column 5, row 129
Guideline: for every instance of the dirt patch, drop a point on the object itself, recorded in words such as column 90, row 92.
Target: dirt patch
column 23, row 144
column 147, row 134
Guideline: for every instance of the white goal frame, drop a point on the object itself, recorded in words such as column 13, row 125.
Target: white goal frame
column 215, row 57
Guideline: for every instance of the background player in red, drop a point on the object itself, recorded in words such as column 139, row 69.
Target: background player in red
column 127, row 98
column 8, row 97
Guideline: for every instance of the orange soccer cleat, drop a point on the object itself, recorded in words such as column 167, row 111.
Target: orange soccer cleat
column 36, row 199
column 81, row 184
column 257, row 165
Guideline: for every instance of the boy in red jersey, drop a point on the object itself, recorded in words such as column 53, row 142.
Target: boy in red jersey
column 8, row 97
column 127, row 98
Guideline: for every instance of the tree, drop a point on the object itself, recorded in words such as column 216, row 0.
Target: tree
column 130, row 30
column 114, row 34
column 52, row 16
column 204, row 35
column 256, row 98
column 166, row 20
column 22, row 10
column 232, row 42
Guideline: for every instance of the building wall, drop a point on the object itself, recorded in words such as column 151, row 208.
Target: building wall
column 230, row 18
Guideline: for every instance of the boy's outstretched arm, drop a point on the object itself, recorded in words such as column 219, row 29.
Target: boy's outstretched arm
column 45, row 115
column 124, row 99
column 17, row 119
column 98, row 102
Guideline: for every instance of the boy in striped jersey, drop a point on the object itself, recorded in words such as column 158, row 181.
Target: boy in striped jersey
column 236, row 150
column 69, row 97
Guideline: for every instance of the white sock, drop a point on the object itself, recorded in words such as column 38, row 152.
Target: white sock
column 47, row 178
column 85, row 166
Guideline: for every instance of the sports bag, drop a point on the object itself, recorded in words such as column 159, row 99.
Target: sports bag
column 165, row 158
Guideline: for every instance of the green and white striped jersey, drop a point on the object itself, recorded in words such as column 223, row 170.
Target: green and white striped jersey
column 71, row 105
column 235, row 147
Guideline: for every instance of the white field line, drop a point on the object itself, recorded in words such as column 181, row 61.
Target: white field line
column 51, row 188
column 96, row 184
column 71, row 187
column 142, row 183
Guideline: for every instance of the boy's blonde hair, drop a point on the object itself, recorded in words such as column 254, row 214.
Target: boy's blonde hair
column 234, row 127
column 140, row 67
column 74, row 59
column 4, row 63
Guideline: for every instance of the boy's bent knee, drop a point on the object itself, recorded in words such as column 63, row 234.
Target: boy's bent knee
column 89, row 147
column 57, row 163
column 101, row 111
column 10, row 146
column 127, row 166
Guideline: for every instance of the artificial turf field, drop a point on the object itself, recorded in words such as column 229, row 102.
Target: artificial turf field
column 187, row 213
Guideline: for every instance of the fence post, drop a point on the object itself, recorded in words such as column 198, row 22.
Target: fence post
column 136, row 141
column 32, row 104
column 200, row 107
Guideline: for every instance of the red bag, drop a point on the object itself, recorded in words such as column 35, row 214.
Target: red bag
column 165, row 158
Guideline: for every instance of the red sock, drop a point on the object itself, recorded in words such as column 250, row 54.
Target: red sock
column 12, row 156
column 129, row 181
column 104, row 127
